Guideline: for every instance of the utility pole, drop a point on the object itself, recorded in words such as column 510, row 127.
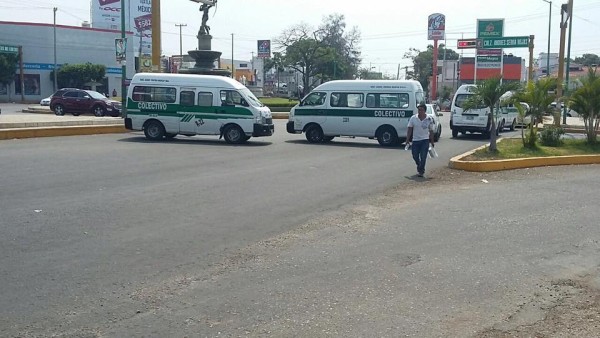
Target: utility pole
column 232, row 61
column 564, row 18
column 156, row 31
column 124, row 64
column 530, row 77
column 570, row 10
column 55, row 68
column 180, row 25
column 549, row 30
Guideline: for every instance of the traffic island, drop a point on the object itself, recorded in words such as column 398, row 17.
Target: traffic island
column 458, row 162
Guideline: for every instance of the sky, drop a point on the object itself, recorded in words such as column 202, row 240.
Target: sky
column 388, row 28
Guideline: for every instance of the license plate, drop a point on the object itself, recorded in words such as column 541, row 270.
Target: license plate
column 470, row 117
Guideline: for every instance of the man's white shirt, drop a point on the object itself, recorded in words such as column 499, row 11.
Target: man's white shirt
column 421, row 129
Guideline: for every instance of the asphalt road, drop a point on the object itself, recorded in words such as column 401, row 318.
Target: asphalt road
column 112, row 235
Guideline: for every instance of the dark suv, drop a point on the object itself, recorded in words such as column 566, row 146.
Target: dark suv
column 78, row 101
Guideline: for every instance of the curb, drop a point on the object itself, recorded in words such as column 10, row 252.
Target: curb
column 6, row 134
column 518, row 163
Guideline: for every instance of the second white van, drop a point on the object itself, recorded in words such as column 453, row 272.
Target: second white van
column 376, row 109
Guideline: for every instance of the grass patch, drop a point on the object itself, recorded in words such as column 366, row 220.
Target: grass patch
column 274, row 101
column 513, row 148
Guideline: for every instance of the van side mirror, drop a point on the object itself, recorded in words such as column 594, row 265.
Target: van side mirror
column 244, row 103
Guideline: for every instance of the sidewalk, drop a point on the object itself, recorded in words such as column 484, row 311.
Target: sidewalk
column 26, row 121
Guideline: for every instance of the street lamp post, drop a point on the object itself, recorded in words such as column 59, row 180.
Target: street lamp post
column 55, row 70
column 549, row 31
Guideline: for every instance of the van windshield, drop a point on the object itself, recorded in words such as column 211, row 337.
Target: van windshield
column 252, row 100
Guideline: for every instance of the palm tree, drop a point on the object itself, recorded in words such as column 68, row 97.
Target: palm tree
column 537, row 96
column 586, row 102
column 488, row 93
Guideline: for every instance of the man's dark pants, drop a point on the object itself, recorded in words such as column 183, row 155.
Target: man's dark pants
column 419, row 153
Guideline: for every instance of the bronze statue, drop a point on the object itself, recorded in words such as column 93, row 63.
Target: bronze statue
column 205, row 7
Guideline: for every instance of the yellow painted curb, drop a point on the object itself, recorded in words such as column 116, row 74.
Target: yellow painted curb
column 7, row 134
column 518, row 163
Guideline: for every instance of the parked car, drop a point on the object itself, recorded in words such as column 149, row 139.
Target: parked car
column 78, row 101
column 435, row 114
column 46, row 101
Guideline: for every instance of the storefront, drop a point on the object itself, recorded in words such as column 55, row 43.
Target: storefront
column 74, row 45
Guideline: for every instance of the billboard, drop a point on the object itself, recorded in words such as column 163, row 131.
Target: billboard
column 264, row 48
column 106, row 14
column 489, row 28
column 436, row 27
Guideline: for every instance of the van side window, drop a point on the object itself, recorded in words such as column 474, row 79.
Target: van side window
column 231, row 97
column 186, row 98
column 154, row 94
column 387, row 100
column 205, row 99
column 314, row 99
column 350, row 100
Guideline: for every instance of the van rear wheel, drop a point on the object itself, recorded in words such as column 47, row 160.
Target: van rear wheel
column 387, row 137
column 314, row 134
column 154, row 130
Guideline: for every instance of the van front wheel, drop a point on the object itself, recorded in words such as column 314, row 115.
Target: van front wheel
column 234, row 134
column 387, row 137
column 314, row 134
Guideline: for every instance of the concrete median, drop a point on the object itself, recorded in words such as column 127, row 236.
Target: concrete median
column 51, row 131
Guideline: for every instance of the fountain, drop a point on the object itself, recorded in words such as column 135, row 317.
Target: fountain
column 204, row 56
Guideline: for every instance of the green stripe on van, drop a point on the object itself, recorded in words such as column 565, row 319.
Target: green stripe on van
column 383, row 113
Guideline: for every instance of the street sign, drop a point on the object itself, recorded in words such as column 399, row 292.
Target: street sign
column 505, row 42
column 467, row 43
column 9, row 49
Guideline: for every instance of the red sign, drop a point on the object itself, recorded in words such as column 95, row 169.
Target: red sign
column 143, row 23
column 467, row 43
column 107, row 2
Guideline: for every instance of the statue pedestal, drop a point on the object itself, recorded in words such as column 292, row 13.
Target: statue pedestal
column 205, row 58
column 204, row 42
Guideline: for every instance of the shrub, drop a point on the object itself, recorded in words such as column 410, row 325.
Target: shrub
column 550, row 136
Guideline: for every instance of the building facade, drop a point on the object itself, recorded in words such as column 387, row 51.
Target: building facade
column 512, row 70
column 74, row 45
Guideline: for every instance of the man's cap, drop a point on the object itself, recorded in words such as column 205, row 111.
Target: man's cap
column 422, row 105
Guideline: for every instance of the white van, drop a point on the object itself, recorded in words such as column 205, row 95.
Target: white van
column 358, row 108
column 474, row 120
column 508, row 113
column 167, row 105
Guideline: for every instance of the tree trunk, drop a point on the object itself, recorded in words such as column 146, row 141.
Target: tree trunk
column 493, row 146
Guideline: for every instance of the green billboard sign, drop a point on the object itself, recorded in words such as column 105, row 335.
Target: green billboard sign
column 505, row 42
column 490, row 28
column 9, row 49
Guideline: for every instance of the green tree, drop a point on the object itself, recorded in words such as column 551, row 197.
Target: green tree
column 318, row 54
column 588, row 60
column 586, row 102
column 277, row 62
column 538, row 96
column 423, row 63
column 344, row 57
column 488, row 93
column 8, row 68
column 76, row 75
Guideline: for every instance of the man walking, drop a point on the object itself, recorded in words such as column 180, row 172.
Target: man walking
column 420, row 134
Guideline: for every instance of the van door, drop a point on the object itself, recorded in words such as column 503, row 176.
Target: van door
column 312, row 109
column 187, row 113
column 207, row 122
column 346, row 114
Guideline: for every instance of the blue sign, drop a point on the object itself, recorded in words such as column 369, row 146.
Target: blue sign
column 50, row 66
